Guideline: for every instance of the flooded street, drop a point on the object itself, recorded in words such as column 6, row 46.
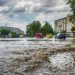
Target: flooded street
column 16, row 57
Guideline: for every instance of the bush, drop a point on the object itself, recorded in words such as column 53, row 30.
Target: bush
column 73, row 28
column 4, row 32
column 13, row 34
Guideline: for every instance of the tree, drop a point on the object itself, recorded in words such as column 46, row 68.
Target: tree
column 13, row 34
column 4, row 32
column 33, row 28
column 47, row 28
column 72, row 6
column 30, row 32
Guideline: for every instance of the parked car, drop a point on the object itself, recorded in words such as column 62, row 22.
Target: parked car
column 49, row 35
column 39, row 35
column 61, row 36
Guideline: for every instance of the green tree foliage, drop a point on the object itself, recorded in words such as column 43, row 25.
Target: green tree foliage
column 4, row 32
column 33, row 28
column 30, row 32
column 47, row 28
column 13, row 34
column 72, row 6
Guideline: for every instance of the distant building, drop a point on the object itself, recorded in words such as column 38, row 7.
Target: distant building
column 12, row 29
column 63, row 24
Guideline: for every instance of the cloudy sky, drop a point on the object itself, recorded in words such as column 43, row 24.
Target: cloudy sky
column 18, row 13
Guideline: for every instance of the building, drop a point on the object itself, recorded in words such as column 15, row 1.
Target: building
column 63, row 24
column 12, row 29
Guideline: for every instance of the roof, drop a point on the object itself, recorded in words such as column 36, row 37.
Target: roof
column 61, row 19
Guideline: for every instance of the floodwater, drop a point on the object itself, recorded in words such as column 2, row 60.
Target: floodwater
column 7, row 47
column 13, row 48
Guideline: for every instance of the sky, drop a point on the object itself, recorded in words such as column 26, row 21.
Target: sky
column 19, row 13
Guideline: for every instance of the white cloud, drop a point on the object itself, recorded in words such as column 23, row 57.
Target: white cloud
column 5, row 20
column 50, row 17
column 3, row 8
column 41, row 5
column 27, row 6
column 61, row 8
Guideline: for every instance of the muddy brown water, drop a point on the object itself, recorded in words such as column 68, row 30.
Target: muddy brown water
column 13, row 54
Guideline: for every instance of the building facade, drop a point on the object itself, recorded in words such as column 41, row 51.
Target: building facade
column 12, row 29
column 63, row 24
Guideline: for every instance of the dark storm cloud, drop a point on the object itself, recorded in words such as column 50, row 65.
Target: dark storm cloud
column 41, row 6
column 3, row 2
column 18, row 10
column 49, row 6
column 14, row 8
